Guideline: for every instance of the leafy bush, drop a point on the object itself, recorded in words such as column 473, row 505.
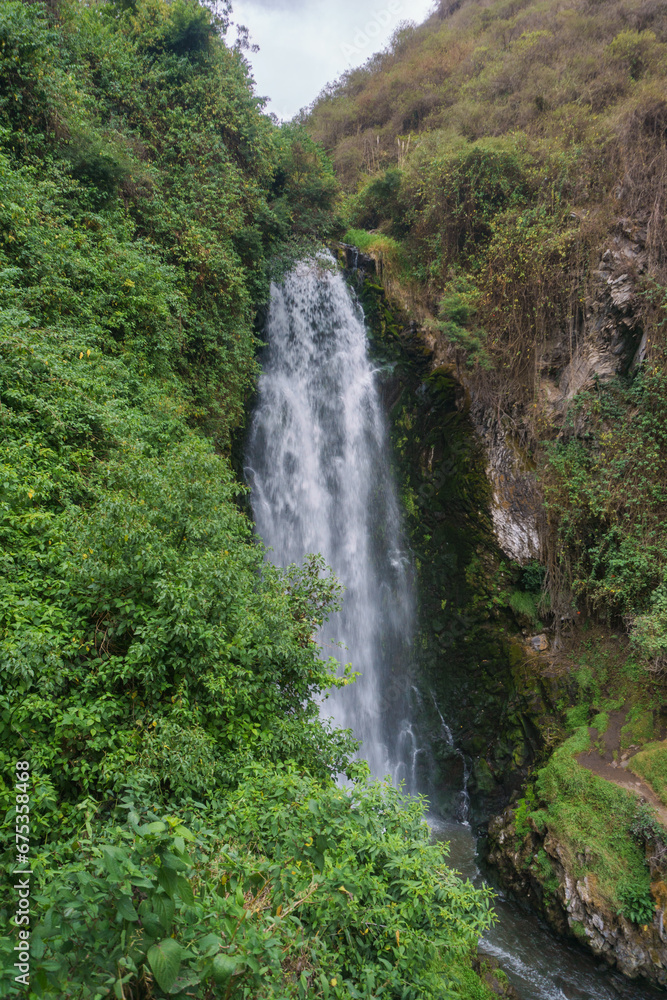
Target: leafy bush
column 301, row 889
column 152, row 665
column 457, row 313
column 638, row 904
column 649, row 630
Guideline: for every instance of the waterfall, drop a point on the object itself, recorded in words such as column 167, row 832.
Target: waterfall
column 319, row 465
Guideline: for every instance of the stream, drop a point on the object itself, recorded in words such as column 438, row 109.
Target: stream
column 539, row 964
column 319, row 465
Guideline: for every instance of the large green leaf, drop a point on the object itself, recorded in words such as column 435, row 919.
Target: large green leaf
column 126, row 909
column 165, row 962
column 224, row 967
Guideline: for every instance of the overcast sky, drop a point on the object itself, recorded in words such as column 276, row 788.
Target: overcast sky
column 305, row 44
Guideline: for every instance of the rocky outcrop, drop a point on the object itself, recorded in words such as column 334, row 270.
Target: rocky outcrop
column 492, row 975
column 611, row 340
column 606, row 340
column 539, row 869
column 516, row 500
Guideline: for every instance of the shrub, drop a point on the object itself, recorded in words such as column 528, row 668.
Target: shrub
column 457, row 313
column 638, row 904
column 303, row 889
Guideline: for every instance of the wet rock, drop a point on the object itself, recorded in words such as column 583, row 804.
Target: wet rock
column 575, row 907
column 491, row 973
column 482, row 777
column 539, row 643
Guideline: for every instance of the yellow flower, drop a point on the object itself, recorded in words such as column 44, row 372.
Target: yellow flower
column 334, row 981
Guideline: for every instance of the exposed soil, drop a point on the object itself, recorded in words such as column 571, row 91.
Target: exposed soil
column 615, row 769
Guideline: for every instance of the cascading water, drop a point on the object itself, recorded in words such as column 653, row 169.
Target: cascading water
column 319, row 464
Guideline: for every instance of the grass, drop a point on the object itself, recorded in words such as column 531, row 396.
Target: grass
column 651, row 765
column 606, row 677
column 467, row 985
column 386, row 251
column 639, row 728
column 592, row 819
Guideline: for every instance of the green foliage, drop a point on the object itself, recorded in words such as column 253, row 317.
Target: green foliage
column 468, row 986
column 152, row 664
column 639, row 728
column 651, row 765
column 300, row 889
column 577, row 716
column 645, row 827
column 304, row 187
column 523, row 603
column 379, row 201
column 385, row 247
column 594, row 820
column 637, row 903
column 610, row 492
column 532, row 577
column 457, row 313
column 634, row 51
column 461, row 188
column 525, row 806
column 649, row 630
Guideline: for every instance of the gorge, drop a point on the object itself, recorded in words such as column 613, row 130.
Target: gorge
column 319, row 465
column 459, row 406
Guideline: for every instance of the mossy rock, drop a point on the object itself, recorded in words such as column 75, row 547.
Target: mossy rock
column 483, row 778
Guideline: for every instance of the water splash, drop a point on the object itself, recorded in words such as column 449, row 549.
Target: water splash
column 319, row 464
column 463, row 805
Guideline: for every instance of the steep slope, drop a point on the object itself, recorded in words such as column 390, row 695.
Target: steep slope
column 165, row 775
column 505, row 164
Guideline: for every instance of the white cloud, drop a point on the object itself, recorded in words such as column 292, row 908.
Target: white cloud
column 305, row 44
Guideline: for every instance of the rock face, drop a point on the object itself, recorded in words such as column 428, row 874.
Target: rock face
column 516, row 500
column 572, row 905
column 606, row 340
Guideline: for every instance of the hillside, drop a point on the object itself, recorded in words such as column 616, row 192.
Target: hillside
column 164, row 767
column 507, row 162
column 504, row 167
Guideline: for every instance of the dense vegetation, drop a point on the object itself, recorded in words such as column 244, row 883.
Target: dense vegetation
column 505, row 164
column 188, row 837
column 489, row 157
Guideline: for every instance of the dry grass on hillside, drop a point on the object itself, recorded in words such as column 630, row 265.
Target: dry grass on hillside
column 493, row 67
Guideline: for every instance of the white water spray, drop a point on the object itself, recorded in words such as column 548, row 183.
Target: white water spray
column 319, row 465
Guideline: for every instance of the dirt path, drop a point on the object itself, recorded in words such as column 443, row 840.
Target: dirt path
column 604, row 765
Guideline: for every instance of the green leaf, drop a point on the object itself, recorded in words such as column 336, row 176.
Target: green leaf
column 225, row 966
column 156, row 827
column 111, row 864
column 185, row 891
column 165, row 962
column 126, row 909
column 170, row 860
column 164, row 908
column 152, row 925
column 168, row 880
